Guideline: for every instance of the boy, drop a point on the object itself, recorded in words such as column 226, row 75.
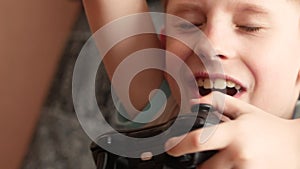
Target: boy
column 257, row 42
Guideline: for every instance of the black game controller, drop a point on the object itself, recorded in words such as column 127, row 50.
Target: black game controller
column 107, row 160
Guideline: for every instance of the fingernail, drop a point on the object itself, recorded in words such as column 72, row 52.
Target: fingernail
column 194, row 101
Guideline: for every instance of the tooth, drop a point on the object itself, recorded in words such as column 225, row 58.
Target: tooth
column 207, row 84
column 237, row 87
column 220, row 84
column 200, row 82
column 230, row 84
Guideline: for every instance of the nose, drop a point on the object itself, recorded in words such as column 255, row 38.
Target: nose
column 221, row 56
column 220, row 35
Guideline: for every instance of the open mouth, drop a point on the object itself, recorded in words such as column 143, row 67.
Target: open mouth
column 229, row 87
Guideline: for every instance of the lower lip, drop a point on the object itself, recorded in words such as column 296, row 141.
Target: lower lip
column 239, row 94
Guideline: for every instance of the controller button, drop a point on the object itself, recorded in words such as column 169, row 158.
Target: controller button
column 108, row 140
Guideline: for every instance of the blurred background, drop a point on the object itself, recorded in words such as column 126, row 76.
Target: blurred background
column 40, row 41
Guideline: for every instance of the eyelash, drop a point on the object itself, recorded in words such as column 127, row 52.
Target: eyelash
column 250, row 28
column 188, row 25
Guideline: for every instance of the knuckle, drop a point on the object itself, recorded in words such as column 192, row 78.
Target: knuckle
column 243, row 157
column 195, row 141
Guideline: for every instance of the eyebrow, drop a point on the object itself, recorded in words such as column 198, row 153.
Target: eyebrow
column 252, row 9
column 240, row 7
column 183, row 7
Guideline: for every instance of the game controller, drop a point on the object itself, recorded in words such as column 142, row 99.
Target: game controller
column 107, row 160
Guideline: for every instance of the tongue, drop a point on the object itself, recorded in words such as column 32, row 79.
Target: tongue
column 228, row 91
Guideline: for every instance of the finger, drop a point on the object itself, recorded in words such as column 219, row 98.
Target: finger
column 209, row 138
column 227, row 105
column 222, row 160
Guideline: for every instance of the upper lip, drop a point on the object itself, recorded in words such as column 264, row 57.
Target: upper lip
column 215, row 76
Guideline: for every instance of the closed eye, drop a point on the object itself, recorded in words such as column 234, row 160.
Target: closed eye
column 250, row 28
column 187, row 26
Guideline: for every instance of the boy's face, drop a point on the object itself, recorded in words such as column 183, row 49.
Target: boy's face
column 259, row 46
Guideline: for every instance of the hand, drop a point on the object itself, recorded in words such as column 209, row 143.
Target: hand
column 252, row 139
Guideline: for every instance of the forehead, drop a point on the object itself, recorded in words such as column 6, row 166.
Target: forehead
column 258, row 6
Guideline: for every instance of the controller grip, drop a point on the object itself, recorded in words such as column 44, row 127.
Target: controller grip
column 189, row 161
column 192, row 160
column 198, row 118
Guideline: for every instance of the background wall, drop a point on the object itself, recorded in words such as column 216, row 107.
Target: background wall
column 59, row 141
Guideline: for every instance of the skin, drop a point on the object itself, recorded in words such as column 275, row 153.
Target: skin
column 259, row 133
column 247, row 55
column 261, row 50
column 102, row 12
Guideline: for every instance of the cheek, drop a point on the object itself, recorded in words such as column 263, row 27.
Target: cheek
column 178, row 48
column 275, row 75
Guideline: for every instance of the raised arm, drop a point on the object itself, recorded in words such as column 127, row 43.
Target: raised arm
column 101, row 12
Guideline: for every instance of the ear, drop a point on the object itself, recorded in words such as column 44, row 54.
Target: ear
column 163, row 38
